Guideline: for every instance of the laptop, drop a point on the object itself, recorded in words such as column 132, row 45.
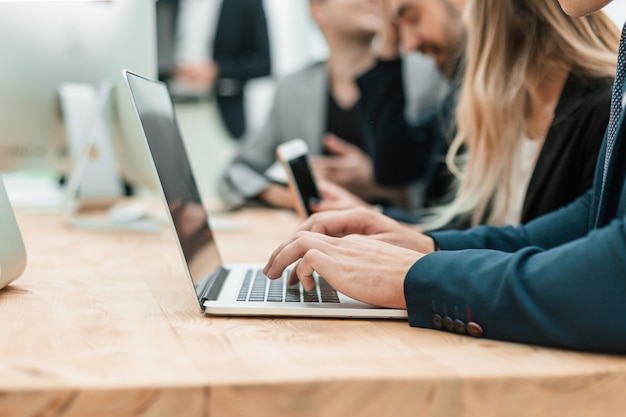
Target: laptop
column 233, row 289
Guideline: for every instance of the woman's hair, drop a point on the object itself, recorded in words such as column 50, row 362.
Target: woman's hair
column 508, row 40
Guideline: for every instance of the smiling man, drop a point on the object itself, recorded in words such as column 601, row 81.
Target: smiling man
column 408, row 152
column 432, row 27
column 321, row 104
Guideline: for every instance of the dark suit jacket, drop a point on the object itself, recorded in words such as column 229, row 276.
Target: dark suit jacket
column 559, row 280
column 242, row 51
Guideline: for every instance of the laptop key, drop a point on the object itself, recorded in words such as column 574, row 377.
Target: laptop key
column 257, row 293
column 245, row 286
column 275, row 291
column 328, row 293
column 292, row 294
column 261, row 288
column 310, row 296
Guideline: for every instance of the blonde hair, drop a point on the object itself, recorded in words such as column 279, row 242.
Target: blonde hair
column 508, row 41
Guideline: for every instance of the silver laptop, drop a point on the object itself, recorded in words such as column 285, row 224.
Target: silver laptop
column 234, row 289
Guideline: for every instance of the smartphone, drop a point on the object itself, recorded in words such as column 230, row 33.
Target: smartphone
column 294, row 156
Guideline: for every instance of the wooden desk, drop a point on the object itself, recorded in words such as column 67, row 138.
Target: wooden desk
column 103, row 324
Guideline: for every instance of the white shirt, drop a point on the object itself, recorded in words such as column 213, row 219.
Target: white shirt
column 195, row 33
column 522, row 168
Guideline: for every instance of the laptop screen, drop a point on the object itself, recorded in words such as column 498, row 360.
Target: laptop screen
column 156, row 113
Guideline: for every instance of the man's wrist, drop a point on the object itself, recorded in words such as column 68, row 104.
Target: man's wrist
column 429, row 244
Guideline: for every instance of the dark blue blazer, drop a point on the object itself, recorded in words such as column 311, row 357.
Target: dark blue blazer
column 559, row 280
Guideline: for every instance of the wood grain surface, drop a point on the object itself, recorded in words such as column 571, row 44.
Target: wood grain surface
column 104, row 324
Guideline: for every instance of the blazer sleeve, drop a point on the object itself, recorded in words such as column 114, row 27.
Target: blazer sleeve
column 553, row 229
column 569, row 296
column 403, row 152
column 244, row 178
column 253, row 59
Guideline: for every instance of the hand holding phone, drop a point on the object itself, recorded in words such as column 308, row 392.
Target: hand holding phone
column 294, row 156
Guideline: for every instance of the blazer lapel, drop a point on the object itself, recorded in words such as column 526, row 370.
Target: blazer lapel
column 552, row 147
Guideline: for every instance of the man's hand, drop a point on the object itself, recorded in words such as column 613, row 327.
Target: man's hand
column 348, row 166
column 363, row 268
column 352, row 169
column 335, row 197
column 388, row 40
column 278, row 196
column 370, row 223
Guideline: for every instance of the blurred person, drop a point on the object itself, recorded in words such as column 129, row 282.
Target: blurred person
column 529, row 119
column 435, row 29
column 321, row 104
column 556, row 281
column 219, row 46
column 408, row 152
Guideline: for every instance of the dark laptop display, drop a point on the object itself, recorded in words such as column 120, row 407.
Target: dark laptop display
column 158, row 120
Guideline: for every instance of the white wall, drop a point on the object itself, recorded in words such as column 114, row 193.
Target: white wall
column 294, row 37
column 617, row 12
column 295, row 41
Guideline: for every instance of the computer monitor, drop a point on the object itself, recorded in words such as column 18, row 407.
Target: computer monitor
column 44, row 44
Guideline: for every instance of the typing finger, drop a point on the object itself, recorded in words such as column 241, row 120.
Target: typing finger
column 293, row 250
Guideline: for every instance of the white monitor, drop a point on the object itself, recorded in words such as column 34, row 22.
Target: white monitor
column 44, row 44
column 12, row 250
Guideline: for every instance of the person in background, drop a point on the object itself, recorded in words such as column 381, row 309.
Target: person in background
column 322, row 105
column 409, row 152
column 555, row 281
column 531, row 113
column 219, row 46
column 529, row 119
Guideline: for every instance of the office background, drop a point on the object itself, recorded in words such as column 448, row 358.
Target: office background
column 295, row 42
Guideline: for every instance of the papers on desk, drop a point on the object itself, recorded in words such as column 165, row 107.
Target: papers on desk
column 41, row 192
column 34, row 191
column 221, row 224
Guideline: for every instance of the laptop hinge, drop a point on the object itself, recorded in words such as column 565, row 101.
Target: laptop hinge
column 213, row 286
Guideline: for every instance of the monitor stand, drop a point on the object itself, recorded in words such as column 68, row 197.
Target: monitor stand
column 93, row 181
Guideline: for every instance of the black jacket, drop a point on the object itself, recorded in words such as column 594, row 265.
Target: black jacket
column 566, row 165
column 241, row 49
column 242, row 52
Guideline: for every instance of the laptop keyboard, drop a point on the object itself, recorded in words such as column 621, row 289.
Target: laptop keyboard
column 257, row 287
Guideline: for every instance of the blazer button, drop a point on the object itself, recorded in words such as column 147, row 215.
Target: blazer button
column 437, row 321
column 459, row 326
column 474, row 329
column 448, row 323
